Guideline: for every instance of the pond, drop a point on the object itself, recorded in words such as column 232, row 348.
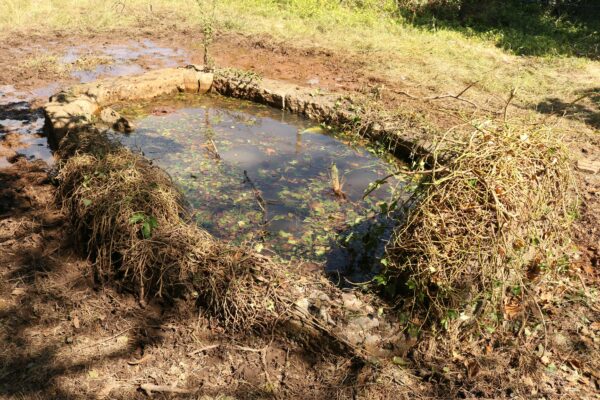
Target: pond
column 260, row 175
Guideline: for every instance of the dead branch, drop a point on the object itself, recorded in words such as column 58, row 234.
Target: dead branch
column 140, row 361
column 149, row 388
column 445, row 96
column 510, row 99
column 202, row 349
column 258, row 196
column 108, row 339
column 214, row 151
column 585, row 96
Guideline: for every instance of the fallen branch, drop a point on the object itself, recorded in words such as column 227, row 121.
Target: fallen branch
column 446, row 96
column 202, row 349
column 140, row 361
column 510, row 99
column 258, row 196
column 108, row 339
column 149, row 388
column 214, row 151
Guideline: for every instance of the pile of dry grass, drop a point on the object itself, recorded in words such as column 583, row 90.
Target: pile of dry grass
column 492, row 215
column 134, row 223
column 128, row 213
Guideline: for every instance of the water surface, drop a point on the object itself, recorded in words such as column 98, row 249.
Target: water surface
column 257, row 174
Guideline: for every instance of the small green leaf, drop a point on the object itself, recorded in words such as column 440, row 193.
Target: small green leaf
column 153, row 222
column 136, row 217
column 380, row 280
column 146, row 230
column 86, row 202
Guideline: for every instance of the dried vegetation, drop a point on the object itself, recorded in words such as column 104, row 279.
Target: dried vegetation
column 493, row 214
column 135, row 227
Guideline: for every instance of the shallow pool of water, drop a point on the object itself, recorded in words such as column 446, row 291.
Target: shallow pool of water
column 257, row 174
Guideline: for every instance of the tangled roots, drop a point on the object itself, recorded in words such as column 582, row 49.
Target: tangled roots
column 489, row 217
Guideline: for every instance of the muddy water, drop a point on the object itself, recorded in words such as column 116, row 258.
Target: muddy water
column 20, row 128
column 124, row 59
column 253, row 173
column 21, row 123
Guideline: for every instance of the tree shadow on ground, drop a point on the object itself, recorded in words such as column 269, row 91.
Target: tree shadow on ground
column 43, row 281
column 46, row 286
column 526, row 28
column 585, row 108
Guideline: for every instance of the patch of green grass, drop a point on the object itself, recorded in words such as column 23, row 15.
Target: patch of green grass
column 441, row 60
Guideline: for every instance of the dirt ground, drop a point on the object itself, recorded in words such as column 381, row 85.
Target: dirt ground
column 62, row 337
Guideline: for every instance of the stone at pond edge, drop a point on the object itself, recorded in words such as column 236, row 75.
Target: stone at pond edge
column 63, row 116
column 115, row 120
column 205, row 82
column 198, row 82
column 591, row 167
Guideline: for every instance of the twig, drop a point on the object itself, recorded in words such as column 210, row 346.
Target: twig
column 140, row 361
column 383, row 180
column 251, row 349
column 336, row 184
column 205, row 348
column 215, row 151
column 510, row 98
column 457, row 97
column 149, row 388
column 259, row 199
column 108, row 339
column 444, row 96
column 263, row 358
column 590, row 94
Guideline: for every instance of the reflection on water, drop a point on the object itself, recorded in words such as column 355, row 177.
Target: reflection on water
column 20, row 128
column 255, row 173
column 124, row 59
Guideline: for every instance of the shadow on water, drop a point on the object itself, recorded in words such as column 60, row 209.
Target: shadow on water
column 21, row 132
column 356, row 257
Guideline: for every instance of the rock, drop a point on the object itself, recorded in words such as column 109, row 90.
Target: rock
column 372, row 341
column 205, row 82
column 365, row 323
column 303, row 304
column 115, row 120
column 68, row 114
column 354, row 337
column 109, row 116
column 589, row 166
column 351, row 302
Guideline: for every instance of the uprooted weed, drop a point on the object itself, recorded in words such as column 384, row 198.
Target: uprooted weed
column 493, row 214
column 127, row 212
column 134, row 224
column 489, row 229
